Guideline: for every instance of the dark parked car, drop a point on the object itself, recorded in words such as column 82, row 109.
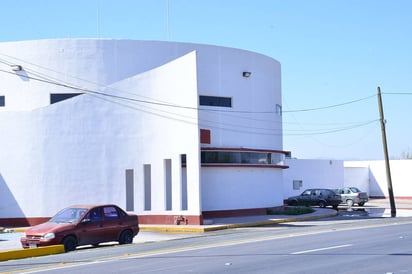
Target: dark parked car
column 352, row 195
column 84, row 225
column 316, row 197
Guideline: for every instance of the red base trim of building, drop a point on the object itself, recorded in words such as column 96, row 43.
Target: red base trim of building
column 171, row 219
column 22, row 222
column 234, row 213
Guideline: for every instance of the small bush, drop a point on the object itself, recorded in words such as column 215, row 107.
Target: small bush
column 290, row 210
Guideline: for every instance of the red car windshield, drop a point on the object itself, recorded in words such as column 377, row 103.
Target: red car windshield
column 69, row 215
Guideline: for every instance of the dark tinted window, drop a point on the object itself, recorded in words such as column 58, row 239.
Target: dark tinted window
column 95, row 215
column 240, row 157
column 215, row 101
column 57, row 97
column 2, row 101
column 110, row 213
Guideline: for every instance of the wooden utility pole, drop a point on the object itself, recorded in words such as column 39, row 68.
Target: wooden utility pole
column 385, row 151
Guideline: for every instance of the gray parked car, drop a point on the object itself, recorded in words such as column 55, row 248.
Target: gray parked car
column 352, row 195
column 321, row 197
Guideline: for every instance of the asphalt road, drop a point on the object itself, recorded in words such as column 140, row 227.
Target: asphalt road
column 334, row 245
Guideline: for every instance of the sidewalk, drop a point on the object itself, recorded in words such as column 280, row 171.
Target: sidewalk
column 152, row 233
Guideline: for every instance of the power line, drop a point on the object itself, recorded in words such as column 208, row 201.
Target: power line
column 212, row 124
column 330, row 106
column 267, row 130
column 397, row 93
column 335, row 130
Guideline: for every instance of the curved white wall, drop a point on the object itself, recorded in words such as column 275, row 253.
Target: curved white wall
column 93, row 64
column 77, row 151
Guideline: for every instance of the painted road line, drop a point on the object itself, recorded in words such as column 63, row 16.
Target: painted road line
column 320, row 249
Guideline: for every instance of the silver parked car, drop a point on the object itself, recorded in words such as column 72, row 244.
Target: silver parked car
column 352, row 195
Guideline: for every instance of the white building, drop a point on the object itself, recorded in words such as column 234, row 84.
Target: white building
column 174, row 132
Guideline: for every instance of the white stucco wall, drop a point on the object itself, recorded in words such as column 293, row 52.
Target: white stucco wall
column 92, row 64
column 313, row 174
column 252, row 122
column 77, row 150
column 357, row 174
column 377, row 179
column 241, row 188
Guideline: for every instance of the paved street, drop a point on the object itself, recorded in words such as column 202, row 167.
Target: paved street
column 376, row 208
column 297, row 247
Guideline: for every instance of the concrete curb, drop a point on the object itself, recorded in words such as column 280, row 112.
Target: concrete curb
column 31, row 252
column 18, row 229
column 207, row 228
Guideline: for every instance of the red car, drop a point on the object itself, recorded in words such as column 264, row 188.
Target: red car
column 84, row 225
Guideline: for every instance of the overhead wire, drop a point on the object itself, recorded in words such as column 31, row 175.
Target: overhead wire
column 277, row 131
column 331, row 106
column 117, row 97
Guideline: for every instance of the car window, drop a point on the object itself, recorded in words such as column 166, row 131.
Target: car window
column 110, row 213
column 69, row 215
column 355, row 190
column 306, row 192
column 95, row 215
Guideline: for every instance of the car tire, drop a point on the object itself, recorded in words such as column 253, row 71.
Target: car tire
column 322, row 204
column 126, row 237
column 70, row 243
column 361, row 203
column 349, row 202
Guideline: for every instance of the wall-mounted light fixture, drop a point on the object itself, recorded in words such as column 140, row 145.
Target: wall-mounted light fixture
column 16, row 67
column 246, row 74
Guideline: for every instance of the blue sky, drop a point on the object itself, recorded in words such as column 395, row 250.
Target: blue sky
column 334, row 55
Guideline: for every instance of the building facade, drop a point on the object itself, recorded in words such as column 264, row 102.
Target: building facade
column 174, row 132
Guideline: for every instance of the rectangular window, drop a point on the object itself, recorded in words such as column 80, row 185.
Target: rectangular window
column 110, row 213
column 2, row 101
column 184, row 181
column 168, row 183
column 297, row 184
column 215, row 101
column 242, row 157
column 129, row 190
column 147, row 173
column 57, row 97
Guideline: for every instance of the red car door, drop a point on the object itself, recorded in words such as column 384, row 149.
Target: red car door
column 112, row 223
column 92, row 229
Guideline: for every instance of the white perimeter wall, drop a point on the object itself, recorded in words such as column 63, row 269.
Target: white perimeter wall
column 241, row 188
column 377, row 178
column 313, row 174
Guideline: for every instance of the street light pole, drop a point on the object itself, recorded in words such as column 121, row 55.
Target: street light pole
column 385, row 150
